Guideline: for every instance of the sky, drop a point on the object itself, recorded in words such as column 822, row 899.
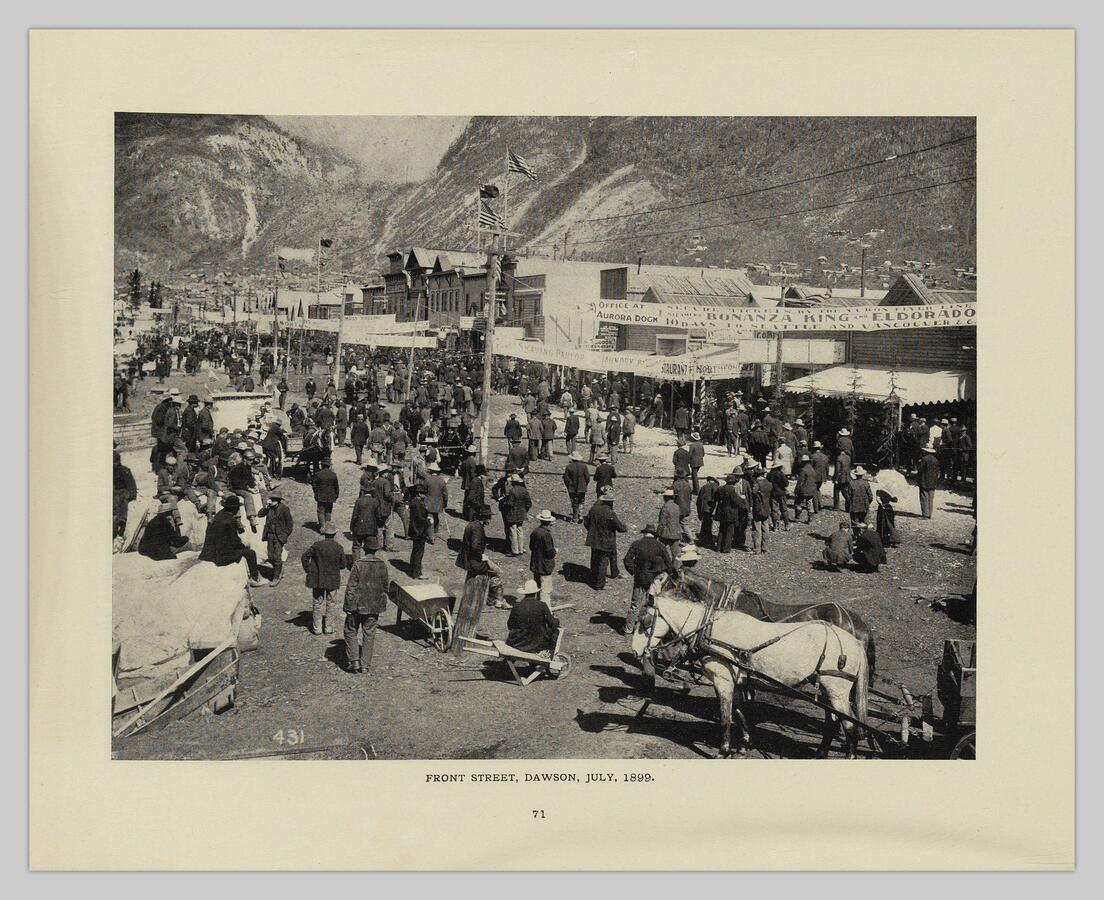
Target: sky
column 392, row 148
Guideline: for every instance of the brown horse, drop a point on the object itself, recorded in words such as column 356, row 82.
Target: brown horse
column 722, row 595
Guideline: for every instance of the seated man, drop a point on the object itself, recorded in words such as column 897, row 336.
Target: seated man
column 840, row 547
column 223, row 544
column 161, row 537
column 532, row 627
column 479, row 564
column 869, row 552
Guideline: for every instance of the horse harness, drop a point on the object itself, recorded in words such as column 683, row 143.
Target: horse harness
column 691, row 649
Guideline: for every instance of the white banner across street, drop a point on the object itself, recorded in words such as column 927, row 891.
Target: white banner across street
column 748, row 319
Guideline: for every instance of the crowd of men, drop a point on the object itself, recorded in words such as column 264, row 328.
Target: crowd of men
column 779, row 473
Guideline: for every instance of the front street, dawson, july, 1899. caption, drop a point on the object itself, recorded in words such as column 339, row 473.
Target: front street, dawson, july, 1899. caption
column 529, row 777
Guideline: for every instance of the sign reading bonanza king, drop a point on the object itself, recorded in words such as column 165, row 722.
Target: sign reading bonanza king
column 774, row 319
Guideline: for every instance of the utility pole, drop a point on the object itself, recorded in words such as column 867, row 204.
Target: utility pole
column 862, row 275
column 413, row 341
column 493, row 265
column 336, row 374
column 778, row 356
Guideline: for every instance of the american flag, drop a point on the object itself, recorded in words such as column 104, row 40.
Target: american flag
column 489, row 219
column 519, row 165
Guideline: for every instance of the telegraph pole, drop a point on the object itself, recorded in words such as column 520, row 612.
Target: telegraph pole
column 336, row 374
column 862, row 275
column 493, row 267
column 778, row 356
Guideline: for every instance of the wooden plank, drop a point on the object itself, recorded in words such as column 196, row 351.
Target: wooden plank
column 468, row 610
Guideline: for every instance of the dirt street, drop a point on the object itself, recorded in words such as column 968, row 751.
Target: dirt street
column 420, row 704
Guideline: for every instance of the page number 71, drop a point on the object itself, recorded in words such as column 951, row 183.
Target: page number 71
column 538, row 813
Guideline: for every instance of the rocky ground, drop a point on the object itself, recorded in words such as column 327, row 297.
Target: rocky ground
column 421, row 704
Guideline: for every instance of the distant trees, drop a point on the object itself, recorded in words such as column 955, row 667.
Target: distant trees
column 156, row 301
column 134, row 288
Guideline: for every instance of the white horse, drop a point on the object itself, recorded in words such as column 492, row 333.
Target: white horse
column 793, row 653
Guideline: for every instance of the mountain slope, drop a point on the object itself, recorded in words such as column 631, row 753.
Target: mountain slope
column 222, row 192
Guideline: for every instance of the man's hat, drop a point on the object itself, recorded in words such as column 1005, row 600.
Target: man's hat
column 193, row 399
column 167, row 506
column 858, row 471
column 530, row 587
column 928, row 449
column 231, row 502
column 806, row 458
column 787, row 426
column 276, row 492
column 329, row 528
column 207, row 440
column 695, row 435
column 817, row 445
column 545, row 516
column 516, row 478
column 798, row 422
column 777, row 464
column 886, row 497
column 688, row 556
column 430, row 440
column 169, row 458
column 648, row 529
column 844, row 432
column 734, row 476
column 711, row 478
column 326, row 460
column 912, row 415
column 601, row 454
column 174, row 392
column 433, row 467
column 576, row 456
column 241, row 445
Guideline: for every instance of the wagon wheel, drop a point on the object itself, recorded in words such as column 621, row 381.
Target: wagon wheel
column 440, row 627
column 563, row 663
column 966, row 747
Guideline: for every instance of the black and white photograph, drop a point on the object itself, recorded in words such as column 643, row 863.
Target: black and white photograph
column 580, row 437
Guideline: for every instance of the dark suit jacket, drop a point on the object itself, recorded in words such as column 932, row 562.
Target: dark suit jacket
column 278, row 522
column 531, row 626
column 323, row 562
column 325, row 486
column 646, row 559
column 542, row 551
column 602, row 527
column 576, row 477
column 161, row 538
column 223, row 545
column 366, row 590
column 419, row 518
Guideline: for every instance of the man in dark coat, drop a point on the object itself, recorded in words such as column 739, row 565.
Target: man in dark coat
column 531, row 626
column 205, row 421
column 869, row 552
column 364, row 524
column 603, row 526
column 760, row 512
column 728, row 502
column 123, row 492
column 680, row 459
column 927, row 479
column 161, row 537
column 759, row 446
column 821, row 464
column 436, row 495
column 779, row 485
column 696, row 449
column 536, row 434
column 514, row 506
column 646, row 560
column 681, row 421
column 474, row 540
column 223, row 544
column 839, row 548
column 189, row 423
column 365, row 599
column 576, row 479
column 277, row 531
column 420, row 530
column 805, row 489
column 542, row 549
column 323, row 562
column 705, row 502
column 475, row 494
column 358, row 436
column 512, row 430
column 841, row 480
column 517, row 457
column 326, row 490
column 604, row 472
column 571, row 431
column 862, row 496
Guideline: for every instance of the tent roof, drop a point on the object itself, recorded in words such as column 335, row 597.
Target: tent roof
column 913, row 385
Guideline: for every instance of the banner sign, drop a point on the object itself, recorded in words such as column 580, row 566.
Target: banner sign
column 774, row 319
column 684, row 367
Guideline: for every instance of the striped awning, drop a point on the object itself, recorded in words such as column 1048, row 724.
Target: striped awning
column 913, row 385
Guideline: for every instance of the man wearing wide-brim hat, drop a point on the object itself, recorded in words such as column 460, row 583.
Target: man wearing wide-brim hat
column 927, row 479
column 531, row 626
column 576, row 479
column 603, row 526
column 277, row 530
column 862, row 496
column 542, row 548
column 647, row 558
column 323, row 562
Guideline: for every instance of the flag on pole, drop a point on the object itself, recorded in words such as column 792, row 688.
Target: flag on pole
column 325, row 247
column 489, row 219
column 519, row 165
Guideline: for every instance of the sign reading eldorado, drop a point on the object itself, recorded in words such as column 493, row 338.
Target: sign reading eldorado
column 863, row 318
